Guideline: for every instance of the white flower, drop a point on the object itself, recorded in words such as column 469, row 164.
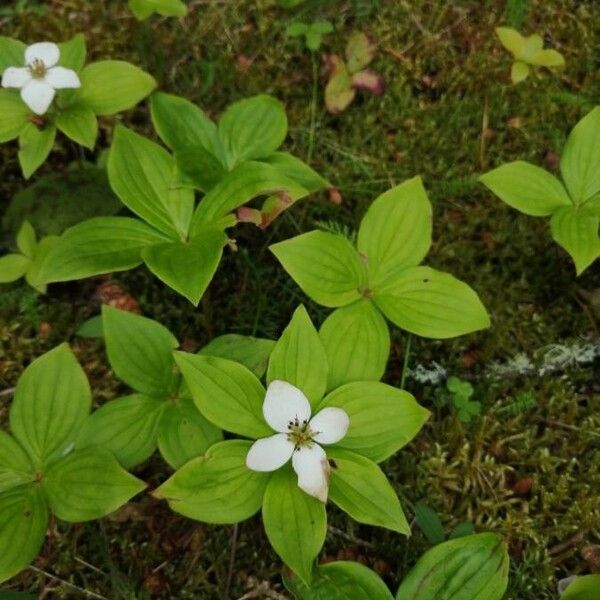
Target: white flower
column 39, row 79
column 287, row 410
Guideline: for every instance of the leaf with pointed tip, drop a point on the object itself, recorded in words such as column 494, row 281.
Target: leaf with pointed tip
column 15, row 466
column 80, row 124
column 51, row 403
column 250, row 351
column 88, row 484
column 187, row 267
column 12, row 53
column 13, row 115
column 184, row 433
column 73, row 53
column 23, row 523
column 295, row 523
column 13, row 267
column 357, row 343
column 218, row 487
column 299, row 357
column 34, row 147
column 27, row 240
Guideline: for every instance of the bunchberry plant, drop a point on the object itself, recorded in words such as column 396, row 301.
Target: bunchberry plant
column 48, row 87
column 160, row 413
column 26, row 262
column 527, row 52
column 142, row 9
column 279, row 464
column 41, row 469
column 311, row 32
column 379, row 276
column 349, row 75
column 474, row 567
column 182, row 242
column 572, row 202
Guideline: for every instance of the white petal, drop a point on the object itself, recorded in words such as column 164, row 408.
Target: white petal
column 329, row 425
column 15, row 77
column 59, row 78
column 284, row 403
column 38, row 95
column 47, row 52
column 268, row 454
column 312, row 468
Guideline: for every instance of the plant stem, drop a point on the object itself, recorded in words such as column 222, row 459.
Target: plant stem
column 406, row 359
column 234, row 539
column 313, row 108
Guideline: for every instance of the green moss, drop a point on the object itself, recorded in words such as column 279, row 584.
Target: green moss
column 446, row 75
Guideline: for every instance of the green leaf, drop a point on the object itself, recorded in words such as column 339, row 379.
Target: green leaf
column 429, row 522
column 296, row 28
column 527, row 188
column 13, row 115
column 226, row 393
column 547, row 58
column 313, row 40
column 339, row 92
column 184, row 433
column 519, row 72
column 360, row 51
column 15, row 466
column 339, row 580
column 250, row 351
column 431, row 304
column 461, row 530
column 51, row 402
column 245, row 182
column 470, row 567
column 182, row 125
column 512, row 40
column 12, row 53
column 396, row 230
column 583, row 588
column 218, row 487
column 580, row 160
column 112, row 86
column 126, row 427
column 295, row 523
column 98, row 246
column 325, row 265
column 88, row 484
column 34, row 147
column 576, row 230
column 322, row 27
column 359, row 487
column 199, row 168
column 80, row 124
column 357, row 343
column 142, row 9
column 73, row 53
column 187, row 267
column 252, row 128
column 142, row 174
column 26, row 240
column 140, row 351
column 23, row 523
column 299, row 357
column 92, row 328
column 299, row 171
column 399, row 418
column 32, row 277
column 13, row 267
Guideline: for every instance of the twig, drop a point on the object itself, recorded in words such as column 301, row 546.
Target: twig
column 350, row 538
column 69, row 584
column 7, row 392
column 406, row 359
column 234, row 540
column 485, row 122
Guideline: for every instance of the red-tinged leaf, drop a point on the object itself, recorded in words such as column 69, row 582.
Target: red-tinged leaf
column 369, row 81
column 339, row 92
column 360, row 51
column 245, row 214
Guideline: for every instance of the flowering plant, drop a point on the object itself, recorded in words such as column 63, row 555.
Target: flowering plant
column 48, row 87
column 360, row 424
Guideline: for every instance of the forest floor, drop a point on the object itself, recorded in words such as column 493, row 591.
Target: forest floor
column 528, row 466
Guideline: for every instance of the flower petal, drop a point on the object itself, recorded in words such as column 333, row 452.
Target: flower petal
column 312, row 468
column 47, row 52
column 268, row 454
column 330, row 425
column 59, row 78
column 284, row 403
column 14, row 77
column 38, row 95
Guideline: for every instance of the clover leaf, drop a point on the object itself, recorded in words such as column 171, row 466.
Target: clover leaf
column 298, row 461
column 572, row 204
column 41, row 470
column 311, row 32
column 379, row 277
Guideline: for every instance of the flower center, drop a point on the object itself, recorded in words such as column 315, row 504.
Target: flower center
column 37, row 69
column 300, row 433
